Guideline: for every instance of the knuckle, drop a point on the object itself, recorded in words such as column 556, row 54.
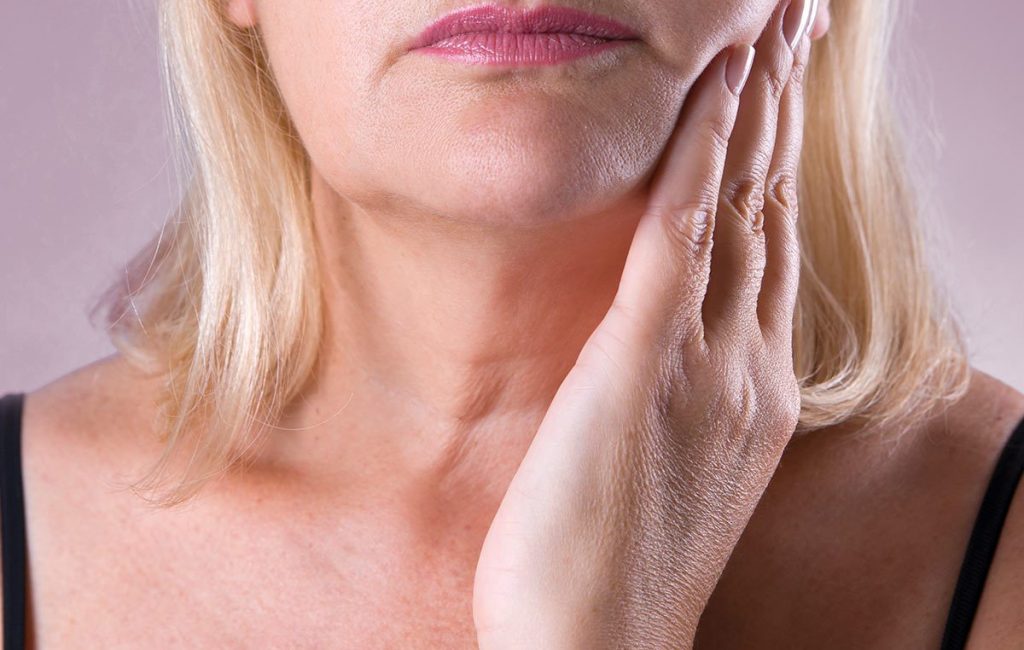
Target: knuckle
column 763, row 411
column 745, row 197
column 776, row 73
column 776, row 85
column 792, row 406
column 748, row 399
column 689, row 225
column 778, row 416
column 717, row 132
column 685, row 342
column 786, row 397
column 680, row 362
column 796, row 77
column 747, row 418
column 785, row 416
column 736, row 397
column 785, row 393
column 782, row 193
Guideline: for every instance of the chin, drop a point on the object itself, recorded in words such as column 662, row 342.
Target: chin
column 519, row 190
column 525, row 175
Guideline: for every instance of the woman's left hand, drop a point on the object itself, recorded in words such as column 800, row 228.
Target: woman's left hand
column 664, row 435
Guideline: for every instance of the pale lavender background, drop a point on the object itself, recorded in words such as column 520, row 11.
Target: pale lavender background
column 84, row 178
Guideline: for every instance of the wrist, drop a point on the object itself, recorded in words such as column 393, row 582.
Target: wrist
column 562, row 625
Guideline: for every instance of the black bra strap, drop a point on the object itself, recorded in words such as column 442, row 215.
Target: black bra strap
column 12, row 521
column 984, row 537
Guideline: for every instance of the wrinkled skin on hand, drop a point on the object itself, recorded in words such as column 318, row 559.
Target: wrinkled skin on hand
column 665, row 434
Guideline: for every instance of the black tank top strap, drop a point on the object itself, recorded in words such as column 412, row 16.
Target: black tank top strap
column 981, row 546
column 12, row 521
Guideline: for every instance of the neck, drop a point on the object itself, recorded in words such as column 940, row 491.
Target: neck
column 445, row 341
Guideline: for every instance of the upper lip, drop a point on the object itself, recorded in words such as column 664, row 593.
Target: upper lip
column 543, row 19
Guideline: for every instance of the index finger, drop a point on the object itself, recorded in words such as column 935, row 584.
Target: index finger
column 668, row 264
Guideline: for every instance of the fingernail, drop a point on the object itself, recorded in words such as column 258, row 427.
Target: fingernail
column 824, row 18
column 737, row 68
column 797, row 20
column 812, row 18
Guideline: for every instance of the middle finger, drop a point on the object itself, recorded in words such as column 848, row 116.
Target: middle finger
column 738, row 255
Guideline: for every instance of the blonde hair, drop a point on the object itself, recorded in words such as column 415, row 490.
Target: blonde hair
column 225, row 302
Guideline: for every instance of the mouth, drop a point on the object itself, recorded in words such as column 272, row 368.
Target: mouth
column 494, row 34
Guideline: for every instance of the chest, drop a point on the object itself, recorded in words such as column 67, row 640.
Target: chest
column 238, row 582
column 845, row 564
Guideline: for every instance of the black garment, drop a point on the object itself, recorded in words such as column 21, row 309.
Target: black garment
column 12, row 522
column 974, row 570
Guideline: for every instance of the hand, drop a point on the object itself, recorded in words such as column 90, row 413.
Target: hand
column 664, row 435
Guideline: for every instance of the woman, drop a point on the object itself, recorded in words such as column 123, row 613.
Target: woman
column 495, row 340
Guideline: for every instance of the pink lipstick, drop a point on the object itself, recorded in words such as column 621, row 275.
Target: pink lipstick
column 497, row 35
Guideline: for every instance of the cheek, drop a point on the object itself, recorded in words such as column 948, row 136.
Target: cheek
column 325, row 58
column 690, row 34
column 746, row 19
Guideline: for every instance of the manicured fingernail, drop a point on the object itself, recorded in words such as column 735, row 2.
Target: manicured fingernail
column 737, row 68
column 797, row 21
column 820, row 23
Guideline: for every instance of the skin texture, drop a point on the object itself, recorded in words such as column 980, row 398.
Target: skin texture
column 665, row 433
column 474, row 240
column 500, row 179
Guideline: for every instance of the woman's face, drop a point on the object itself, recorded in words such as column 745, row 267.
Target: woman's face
column 389, row 128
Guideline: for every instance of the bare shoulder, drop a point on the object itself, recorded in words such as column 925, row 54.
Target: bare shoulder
column 854, row 529
column 82, row 431
column 85, row 437
column 999, row 621
column 985, row 416
column 85, row 401
column 936, row 483
column 929, row 489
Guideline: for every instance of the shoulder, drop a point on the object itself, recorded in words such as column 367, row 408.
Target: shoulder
column 926, row 491
column 941, row 465
column 99, row 408
column 999, row 620
column 82, row 433
column 85, row 436
column 86, row 399
column 855, row 528
column 932, row 486
column 967, row 438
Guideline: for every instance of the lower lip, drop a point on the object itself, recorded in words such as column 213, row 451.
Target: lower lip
column 508, row 48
